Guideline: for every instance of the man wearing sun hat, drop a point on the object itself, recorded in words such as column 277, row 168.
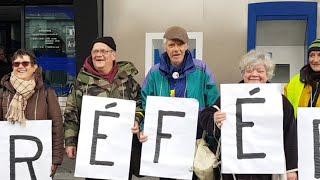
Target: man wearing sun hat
column 179, row 75
column 101, row 75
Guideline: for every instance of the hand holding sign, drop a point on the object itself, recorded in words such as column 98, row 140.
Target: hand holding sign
column 219, row 117
column 135, row 129
column 142, row 138
column 54, row 168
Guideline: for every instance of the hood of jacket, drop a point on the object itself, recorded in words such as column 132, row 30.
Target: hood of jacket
column 308, row 76
column 166, row 69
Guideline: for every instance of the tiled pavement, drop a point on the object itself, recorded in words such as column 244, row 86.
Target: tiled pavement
column 66, row 171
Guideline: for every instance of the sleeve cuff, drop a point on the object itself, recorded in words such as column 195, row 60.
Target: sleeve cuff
column 292, row 170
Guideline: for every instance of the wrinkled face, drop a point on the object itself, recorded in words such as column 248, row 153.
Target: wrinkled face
column 102, row 57
column 23, row 68
column 176, row 50
column 255, row 74
column 314, row 60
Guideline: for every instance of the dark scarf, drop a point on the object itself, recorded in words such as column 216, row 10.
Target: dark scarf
column 88, row 67
column 308, row 76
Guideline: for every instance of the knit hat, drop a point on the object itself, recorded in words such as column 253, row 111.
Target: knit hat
column 314, row 46
column 176, row 32
column 106, row 40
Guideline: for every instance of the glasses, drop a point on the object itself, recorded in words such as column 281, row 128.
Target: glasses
column 102, row 51
column 24, row 64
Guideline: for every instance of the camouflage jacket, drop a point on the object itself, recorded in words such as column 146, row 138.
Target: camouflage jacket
column 123, row 87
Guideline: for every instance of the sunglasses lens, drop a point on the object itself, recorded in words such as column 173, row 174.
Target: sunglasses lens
column 16, row 64
column 24, row 64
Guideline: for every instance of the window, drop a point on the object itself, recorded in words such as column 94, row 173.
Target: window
column 50, row 34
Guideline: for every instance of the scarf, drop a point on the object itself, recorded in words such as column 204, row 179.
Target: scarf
column 308, row 76
column 24, row 90
column 88, row 66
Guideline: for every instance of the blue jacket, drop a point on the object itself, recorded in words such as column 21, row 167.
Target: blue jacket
column 199, row 81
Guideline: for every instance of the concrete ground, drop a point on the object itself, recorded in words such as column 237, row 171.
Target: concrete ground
column 66, row 171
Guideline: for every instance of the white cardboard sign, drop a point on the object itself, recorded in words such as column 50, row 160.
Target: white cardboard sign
column 308, row 143
column 105, row 138
column 25, row 151
column 171, row 127
column 252, row 135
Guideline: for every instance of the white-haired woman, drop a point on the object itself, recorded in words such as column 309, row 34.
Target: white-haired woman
column 256, row 67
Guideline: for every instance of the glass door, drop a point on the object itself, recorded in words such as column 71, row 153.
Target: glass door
column 50, row 34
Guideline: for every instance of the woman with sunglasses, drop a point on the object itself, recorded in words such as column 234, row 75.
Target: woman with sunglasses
column 25, row 97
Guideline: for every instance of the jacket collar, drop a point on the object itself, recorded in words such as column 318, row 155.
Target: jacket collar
column 167, row 69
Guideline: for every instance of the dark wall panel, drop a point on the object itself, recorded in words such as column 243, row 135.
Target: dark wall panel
column 86, row 23
column 34, row 2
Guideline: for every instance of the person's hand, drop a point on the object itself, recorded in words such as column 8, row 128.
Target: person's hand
column 135, row 129
column 71, row 152
column 219, row 117
column 142, row 138
column 54, row 168
column 292, row 176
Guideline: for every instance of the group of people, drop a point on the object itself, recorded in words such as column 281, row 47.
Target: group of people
column 23, row 95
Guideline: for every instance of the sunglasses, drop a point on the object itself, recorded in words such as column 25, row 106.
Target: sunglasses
column 24, row 64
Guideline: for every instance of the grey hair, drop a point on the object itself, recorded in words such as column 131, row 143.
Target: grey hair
column 164, row 42
column 254, row 58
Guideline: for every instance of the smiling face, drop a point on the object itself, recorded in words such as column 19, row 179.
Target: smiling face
column 23, row 67
column 176, row 50
column 314, row 60
column 255, row 74
column 102, row 57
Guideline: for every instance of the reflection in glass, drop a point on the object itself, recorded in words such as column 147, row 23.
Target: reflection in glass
column 50, row 34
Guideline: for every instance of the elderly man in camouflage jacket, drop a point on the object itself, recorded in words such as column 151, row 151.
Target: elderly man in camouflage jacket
column 102, row 76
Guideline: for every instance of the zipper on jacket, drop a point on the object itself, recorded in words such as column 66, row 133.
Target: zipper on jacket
column 315, row 96
column 35, row 108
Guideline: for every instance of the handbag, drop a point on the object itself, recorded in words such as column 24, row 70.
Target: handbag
column 279, row 176
column 205, row 160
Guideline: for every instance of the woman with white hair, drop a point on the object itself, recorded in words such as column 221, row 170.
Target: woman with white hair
column 256, row 67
